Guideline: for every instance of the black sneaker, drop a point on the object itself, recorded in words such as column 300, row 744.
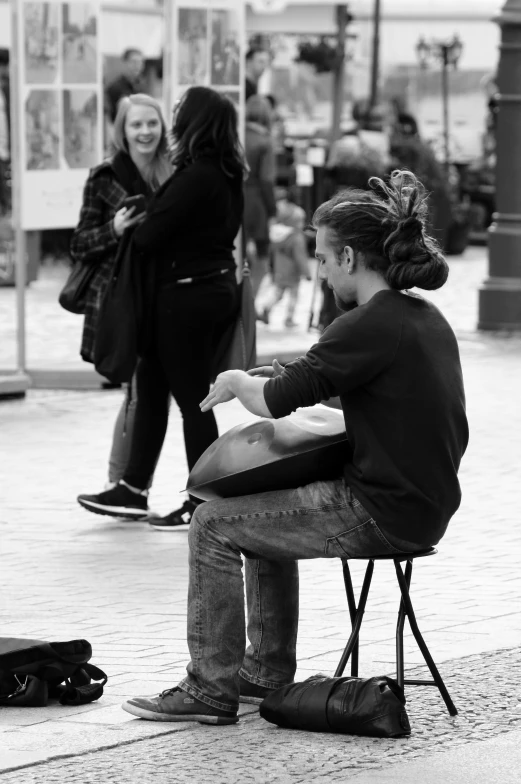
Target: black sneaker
column 177, row 705
column 252, row 693
column 119, row 501
column 179, row 520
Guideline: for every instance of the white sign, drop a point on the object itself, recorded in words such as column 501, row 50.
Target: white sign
column 60, row 108
column 207, row 46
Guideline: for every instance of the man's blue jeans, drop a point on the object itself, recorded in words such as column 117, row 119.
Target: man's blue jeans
column 273, row 531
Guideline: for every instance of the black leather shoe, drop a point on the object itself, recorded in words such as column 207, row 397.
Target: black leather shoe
column 179, row 520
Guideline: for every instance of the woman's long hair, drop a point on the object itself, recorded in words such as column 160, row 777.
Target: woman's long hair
column 205, row 123
column 160, row 167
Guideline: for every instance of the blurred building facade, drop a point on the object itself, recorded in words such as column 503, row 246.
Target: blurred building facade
column 305, row 96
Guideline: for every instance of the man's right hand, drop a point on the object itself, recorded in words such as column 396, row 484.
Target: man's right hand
column 124, row 219
column 268, row 371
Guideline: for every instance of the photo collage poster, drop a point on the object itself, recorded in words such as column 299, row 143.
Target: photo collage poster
column 208, row 43
column 61, row 108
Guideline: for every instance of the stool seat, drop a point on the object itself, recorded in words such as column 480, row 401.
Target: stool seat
column 405, row 611
column 395, row 556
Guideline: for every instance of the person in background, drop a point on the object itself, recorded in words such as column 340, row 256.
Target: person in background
column 188, row 236
column 139, row 165
column 129, row 82
column 257, row 61
column 291, row 262
column 278, row 130
column 259, row 189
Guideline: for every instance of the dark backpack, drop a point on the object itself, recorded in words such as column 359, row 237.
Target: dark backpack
column 31, row 671
column 355, row 706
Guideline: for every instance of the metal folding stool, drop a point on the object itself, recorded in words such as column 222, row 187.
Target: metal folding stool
column 406, row 610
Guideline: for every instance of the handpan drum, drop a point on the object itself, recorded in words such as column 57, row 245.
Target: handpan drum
column 272, row 454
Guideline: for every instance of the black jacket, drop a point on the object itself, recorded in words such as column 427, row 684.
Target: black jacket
column 192, row 222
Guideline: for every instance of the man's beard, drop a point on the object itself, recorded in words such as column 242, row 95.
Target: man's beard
column 343, row 305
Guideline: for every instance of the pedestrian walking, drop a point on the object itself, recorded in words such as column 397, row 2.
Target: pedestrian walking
column 139, row 165
column 188, row 236
column 129, row 82
column 394, row 362
column 259, row 191
column 290, row 260
column 257, row 61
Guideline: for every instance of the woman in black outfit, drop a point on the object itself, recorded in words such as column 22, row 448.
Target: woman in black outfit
column 188, row 235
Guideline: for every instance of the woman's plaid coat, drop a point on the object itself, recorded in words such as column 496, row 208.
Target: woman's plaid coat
column 95, row 242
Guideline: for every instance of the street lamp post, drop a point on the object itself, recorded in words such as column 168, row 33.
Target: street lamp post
column 500, row 294
column 447, row 53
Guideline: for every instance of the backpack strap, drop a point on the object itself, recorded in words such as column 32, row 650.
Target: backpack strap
column 81, row 695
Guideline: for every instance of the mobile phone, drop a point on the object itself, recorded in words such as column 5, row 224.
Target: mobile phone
column 138, row 202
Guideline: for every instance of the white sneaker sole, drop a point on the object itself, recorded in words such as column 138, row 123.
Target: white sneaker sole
column 168, row 528
column 124, row 512
column 143, row 713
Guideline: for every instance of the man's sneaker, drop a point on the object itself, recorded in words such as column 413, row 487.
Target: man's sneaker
column 119, row 501
column 252, row 693
column 177, row 705
column 175, row 521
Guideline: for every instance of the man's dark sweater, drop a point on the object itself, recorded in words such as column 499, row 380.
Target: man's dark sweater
column 395, row 364
column 118, row 89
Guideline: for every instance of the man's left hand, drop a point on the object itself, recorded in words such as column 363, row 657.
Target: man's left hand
column 221, row 391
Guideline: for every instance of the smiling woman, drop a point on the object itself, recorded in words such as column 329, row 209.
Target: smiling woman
column 137, row 168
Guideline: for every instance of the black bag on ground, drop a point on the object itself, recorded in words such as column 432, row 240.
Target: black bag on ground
column 116, row 345
column 355, row 706
column 31, row 671
column 73, row 296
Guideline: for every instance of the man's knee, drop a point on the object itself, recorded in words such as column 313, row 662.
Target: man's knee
column 201, row 517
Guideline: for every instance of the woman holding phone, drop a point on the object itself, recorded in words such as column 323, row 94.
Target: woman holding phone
column 114, row 199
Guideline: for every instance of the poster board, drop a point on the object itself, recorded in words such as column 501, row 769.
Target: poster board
column 60, row 108
column 206, row 45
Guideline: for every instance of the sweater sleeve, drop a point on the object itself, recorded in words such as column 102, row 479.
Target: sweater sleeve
column 354, row 349
column 173, row 206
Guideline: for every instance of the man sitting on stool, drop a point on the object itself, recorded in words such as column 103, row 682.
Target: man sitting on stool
column 394, row 362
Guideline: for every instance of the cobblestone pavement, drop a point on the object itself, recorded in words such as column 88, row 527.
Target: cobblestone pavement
column 483, row 688
column 68, row 574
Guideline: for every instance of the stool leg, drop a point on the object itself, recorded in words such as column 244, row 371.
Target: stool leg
column 348, row 584
column 399, row 627
column 353, row 639
column 421, row 642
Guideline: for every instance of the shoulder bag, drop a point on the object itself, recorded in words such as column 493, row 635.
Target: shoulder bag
column 73, row 296
column 237, row 349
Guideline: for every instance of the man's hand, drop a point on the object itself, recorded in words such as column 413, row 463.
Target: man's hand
column 221, row 391
column 268, row 371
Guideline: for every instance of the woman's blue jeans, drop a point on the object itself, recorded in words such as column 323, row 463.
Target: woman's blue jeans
column 273, row 531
